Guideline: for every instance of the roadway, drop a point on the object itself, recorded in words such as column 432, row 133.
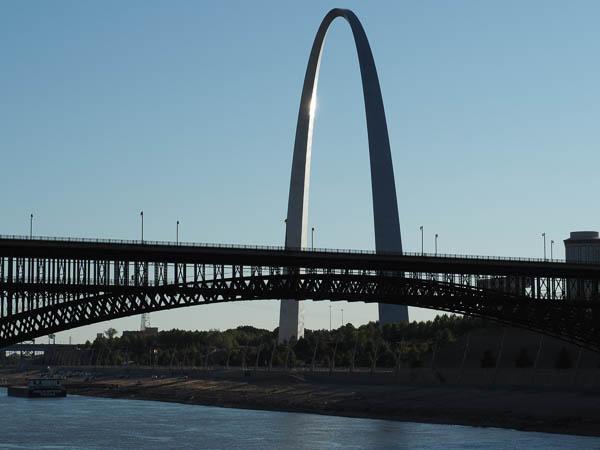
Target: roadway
column 185, row 253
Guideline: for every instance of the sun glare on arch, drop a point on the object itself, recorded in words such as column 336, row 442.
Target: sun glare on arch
column 313, row 105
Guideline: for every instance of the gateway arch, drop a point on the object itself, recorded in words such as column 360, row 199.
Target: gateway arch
column 385, row 206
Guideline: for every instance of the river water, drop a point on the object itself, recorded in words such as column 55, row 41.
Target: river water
column 79, row 422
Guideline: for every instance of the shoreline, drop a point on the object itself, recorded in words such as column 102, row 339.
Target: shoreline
column 525, row 408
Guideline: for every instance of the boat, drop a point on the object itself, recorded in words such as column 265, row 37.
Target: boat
column 39, row 387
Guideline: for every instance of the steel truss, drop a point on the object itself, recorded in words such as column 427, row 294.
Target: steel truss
column 76, row 305
column 50, row 287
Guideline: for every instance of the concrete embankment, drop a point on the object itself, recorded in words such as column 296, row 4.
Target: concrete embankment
column 419, row 395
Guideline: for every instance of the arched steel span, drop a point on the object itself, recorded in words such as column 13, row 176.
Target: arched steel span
column 385, row 205
column 572, row 321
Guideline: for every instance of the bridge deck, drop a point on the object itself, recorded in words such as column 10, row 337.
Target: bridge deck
column 278, row 256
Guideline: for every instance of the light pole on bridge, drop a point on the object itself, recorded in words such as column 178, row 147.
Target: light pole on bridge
column 551, row 245
column 421, row 228
column 436, row 237
column 312, row 238
column 142, row 216
column 177, row 233
column 31, row 226
column 544, row 236
column 330, row 318
column 342, row 316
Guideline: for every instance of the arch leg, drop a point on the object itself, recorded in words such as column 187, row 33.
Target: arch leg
column 385, row 205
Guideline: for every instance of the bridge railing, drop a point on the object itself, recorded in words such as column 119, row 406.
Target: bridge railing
column 280, row 248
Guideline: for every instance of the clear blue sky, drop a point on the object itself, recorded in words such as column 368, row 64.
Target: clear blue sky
column 187, row 110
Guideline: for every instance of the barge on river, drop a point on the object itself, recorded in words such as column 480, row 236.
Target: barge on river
column 39, row 387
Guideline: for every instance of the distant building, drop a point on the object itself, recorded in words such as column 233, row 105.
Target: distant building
column 144, row 332
column 583, row 247
column 150, row 330
column 145, row 328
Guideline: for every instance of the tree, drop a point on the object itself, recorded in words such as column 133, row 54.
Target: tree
column 523, row 359
column 488, row 359
column 110, row 333
column 563, row 359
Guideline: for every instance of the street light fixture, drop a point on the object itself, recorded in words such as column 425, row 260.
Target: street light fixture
column 544, row 236
column 551, row 245
column 142, row 216
column 436, row 237
column 177, row 234
column 421, row 228
column 31, row 226
column 312, row 238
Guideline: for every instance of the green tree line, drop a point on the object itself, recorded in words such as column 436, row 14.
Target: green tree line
column 392, row 345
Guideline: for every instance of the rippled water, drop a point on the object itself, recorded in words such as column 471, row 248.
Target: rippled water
column 96, row 423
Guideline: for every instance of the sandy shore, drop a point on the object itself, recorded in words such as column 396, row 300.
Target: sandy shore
column 533, row 408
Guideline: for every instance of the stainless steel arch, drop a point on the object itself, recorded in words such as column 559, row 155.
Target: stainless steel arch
column 385, row 206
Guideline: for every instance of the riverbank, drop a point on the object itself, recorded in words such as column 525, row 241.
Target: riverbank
column 566, row 410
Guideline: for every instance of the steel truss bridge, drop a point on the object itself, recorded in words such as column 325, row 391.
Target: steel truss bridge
column 50, row 285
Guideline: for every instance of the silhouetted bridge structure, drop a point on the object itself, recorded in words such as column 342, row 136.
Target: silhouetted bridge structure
column 51, row 284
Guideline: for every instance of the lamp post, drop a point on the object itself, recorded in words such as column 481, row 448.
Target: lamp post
column 436, row 236
column 330, row 318
column 551, row 245
column 312, row 238
column 177, row 233
column 342, row 316
column 31, row 226
column 142, row 216
column 421, row 228
column 544, row 237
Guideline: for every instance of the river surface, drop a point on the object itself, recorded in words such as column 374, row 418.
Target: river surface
column 78, row 422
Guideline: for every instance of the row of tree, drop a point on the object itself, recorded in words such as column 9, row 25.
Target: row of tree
column 391, row 345
column 412, row 344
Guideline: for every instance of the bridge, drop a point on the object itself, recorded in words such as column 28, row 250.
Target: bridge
column 51, row 285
